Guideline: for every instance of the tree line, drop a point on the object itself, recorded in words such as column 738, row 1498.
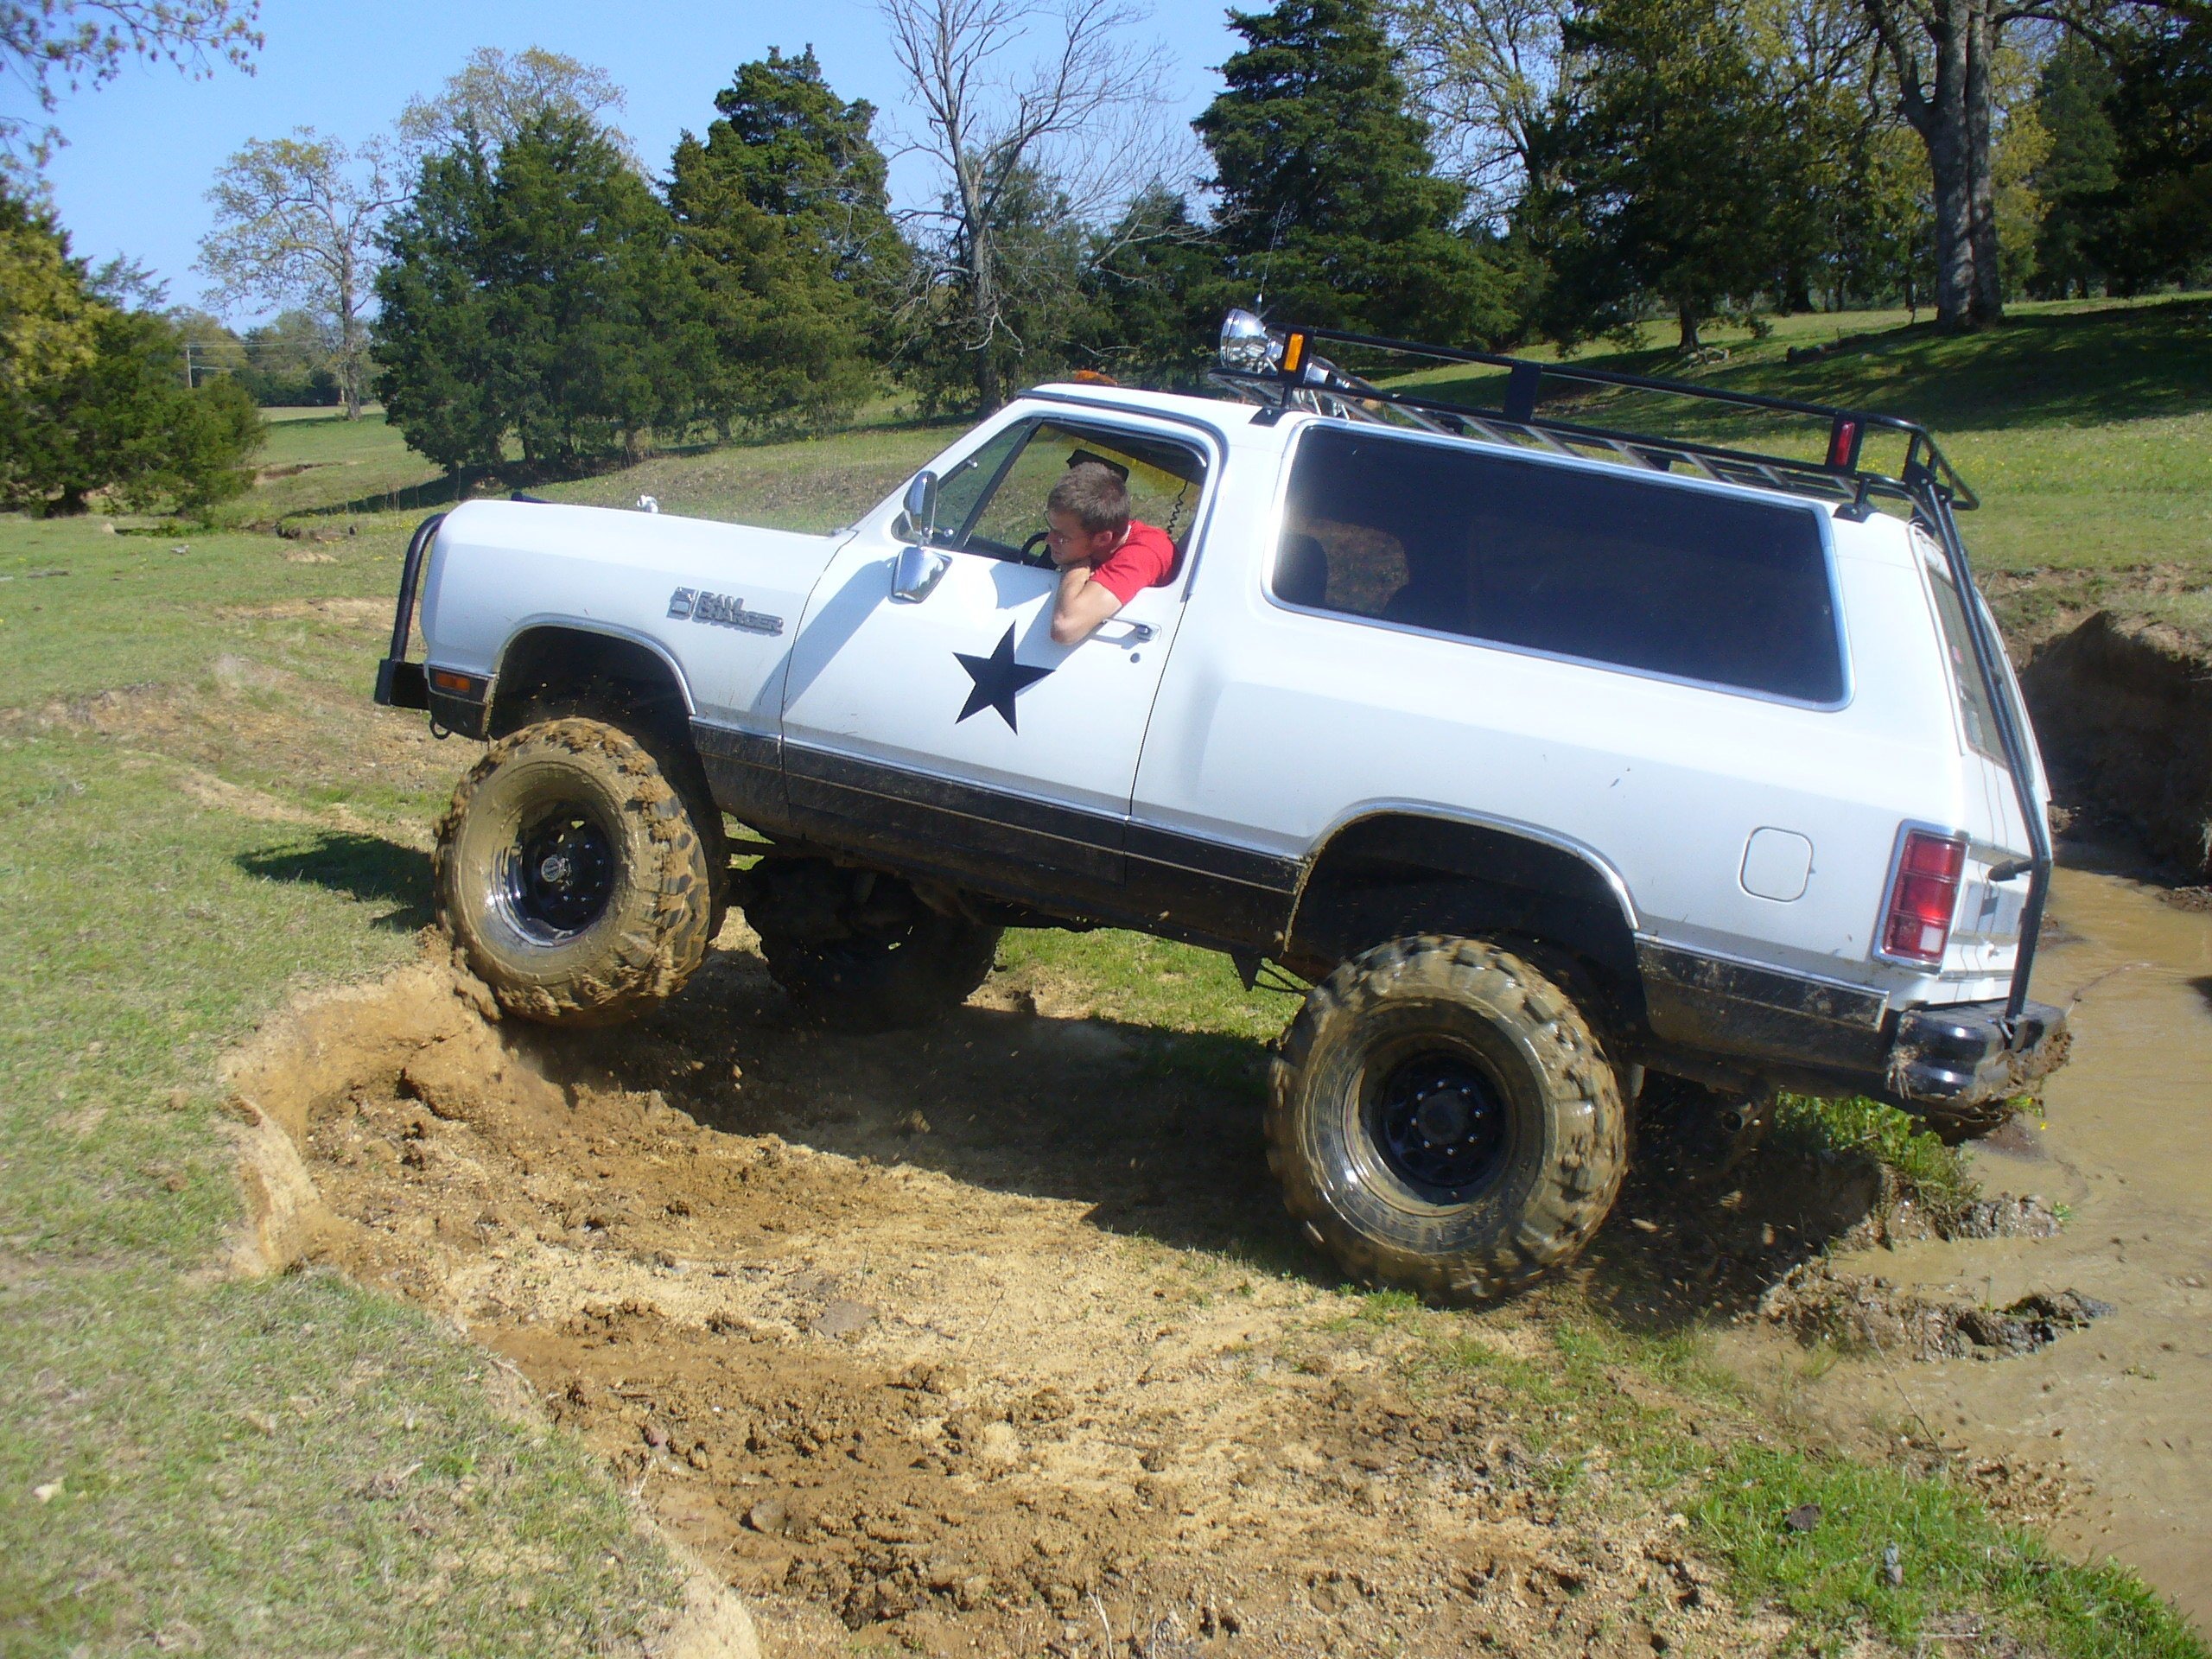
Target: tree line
column 1476, row 171
column 522, row 287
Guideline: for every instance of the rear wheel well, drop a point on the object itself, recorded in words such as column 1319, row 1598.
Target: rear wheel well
column 1399, row 875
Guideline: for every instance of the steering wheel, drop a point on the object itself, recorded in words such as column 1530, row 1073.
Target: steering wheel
column 1033, row 550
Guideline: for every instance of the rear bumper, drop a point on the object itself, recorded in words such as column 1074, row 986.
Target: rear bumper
column 1969, row 1052
column 1737, row 1023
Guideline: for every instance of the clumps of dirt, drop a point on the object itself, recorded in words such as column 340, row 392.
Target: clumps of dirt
column 1711, row 1222
column 1817, row 1303
column 2003, row 1217
column 999, row 1405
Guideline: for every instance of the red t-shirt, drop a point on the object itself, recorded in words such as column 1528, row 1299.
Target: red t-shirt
column 1143, row 560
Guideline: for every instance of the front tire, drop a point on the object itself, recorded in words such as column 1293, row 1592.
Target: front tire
column 1443, row 1120
column 571, row 874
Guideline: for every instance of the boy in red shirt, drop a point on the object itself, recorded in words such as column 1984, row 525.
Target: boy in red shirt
column 1105, row 557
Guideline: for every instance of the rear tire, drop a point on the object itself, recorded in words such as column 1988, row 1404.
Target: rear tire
column 570, row 872
column 862, row 952
column 1443, row 1120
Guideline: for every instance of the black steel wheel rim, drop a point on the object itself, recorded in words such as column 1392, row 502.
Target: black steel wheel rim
column 1438, row 1122
column 555, row 879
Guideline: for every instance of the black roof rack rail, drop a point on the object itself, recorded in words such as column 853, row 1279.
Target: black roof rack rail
column 1279, row 360
column 1296, row 374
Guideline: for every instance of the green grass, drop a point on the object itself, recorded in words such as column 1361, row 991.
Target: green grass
column 229, row 1455
column 1606, row 1410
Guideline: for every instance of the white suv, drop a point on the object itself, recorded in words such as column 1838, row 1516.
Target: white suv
column 1550, row 755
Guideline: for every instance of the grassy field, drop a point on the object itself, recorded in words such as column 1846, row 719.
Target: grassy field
column 202, row 816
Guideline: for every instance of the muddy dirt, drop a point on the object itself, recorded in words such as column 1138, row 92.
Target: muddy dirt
column 948, row 1339
column 2115, row 1411
column 2124, row 715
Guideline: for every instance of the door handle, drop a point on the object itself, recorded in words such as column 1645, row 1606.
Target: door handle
column 1137, row 634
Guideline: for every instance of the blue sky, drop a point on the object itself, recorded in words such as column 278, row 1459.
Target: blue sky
column 142, row 150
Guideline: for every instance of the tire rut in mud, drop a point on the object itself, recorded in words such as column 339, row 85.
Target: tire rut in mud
column 999, row 1405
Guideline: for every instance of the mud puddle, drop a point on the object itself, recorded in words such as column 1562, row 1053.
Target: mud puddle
column 2116, row 1410
column 954, row 1340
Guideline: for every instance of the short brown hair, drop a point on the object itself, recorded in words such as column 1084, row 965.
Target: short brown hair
column 1094, row 494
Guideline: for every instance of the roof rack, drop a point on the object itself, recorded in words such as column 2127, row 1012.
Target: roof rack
column 1280, row 363
column 1278, row 366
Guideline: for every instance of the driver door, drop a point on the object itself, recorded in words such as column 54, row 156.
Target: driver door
column 952, row 730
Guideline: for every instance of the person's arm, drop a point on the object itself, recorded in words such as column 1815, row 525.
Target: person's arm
column 1081, row 606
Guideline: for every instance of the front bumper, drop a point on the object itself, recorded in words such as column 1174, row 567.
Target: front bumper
column 1968, row 1052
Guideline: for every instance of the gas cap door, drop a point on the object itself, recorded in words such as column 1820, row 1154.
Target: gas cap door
column 1777, row 863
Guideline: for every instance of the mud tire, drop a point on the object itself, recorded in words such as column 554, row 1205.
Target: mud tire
column 1564, row 1143
column 867, row 984
column 653, row 928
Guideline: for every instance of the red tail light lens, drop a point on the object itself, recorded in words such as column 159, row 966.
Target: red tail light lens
column 1924, row 897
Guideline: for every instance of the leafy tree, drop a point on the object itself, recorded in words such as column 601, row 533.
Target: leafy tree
column 541, row 295
column 287, row 361
column 125, row 422
column 55, row 46
column 2078, row 171
column 1670, row 169
column 93, row 398
column 1155, row 294
column 1330, row 206
column 1483, row 74
column 2159, row 221
column 496, row 94
column 783, row 209
column 46, row 312
column 297, row 219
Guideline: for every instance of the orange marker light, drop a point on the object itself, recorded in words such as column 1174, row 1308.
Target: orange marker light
column 1294, row 353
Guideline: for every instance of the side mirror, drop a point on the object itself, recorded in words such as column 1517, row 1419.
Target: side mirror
column 918, row 571
column 921, row 507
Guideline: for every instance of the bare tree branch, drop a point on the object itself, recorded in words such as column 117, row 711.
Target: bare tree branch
column 1078, row 124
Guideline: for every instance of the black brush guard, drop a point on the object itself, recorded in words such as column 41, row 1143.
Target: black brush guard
column 400, row 684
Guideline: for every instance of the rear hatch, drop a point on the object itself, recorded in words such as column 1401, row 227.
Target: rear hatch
column 1993, row 886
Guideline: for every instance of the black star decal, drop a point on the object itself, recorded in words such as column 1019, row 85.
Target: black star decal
column 997, row 677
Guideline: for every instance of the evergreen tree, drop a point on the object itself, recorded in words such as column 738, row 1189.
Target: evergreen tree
column 1669, row 169
column 2078, row 171
column 1331, row 207
column 2157, row 223
column 93, row 398
column 783, row 210
column 542, row 295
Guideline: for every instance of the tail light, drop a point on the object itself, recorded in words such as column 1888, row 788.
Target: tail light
column 1924, row 897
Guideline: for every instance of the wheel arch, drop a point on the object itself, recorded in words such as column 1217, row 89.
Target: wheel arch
column 1392, row 870
column 544, row 659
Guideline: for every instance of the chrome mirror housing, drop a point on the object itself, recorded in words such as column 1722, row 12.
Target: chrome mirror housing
column 1249, row 344
column 918, row 571
column 921, row 507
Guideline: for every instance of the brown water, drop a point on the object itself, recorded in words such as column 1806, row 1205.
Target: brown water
column 2125, row 1142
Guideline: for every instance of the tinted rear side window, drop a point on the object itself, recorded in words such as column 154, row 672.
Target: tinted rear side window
column 1622, row 571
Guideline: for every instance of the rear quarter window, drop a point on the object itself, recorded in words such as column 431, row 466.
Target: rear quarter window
column 1620, row 571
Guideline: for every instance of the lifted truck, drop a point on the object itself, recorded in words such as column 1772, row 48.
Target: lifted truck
column 1551, row 755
